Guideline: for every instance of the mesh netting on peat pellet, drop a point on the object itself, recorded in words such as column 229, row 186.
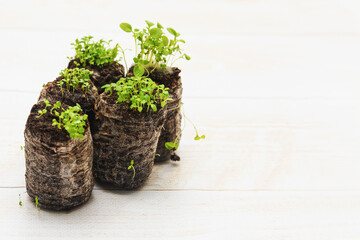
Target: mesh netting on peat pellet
column 122, row 135
column 102, row 75
column 172, row 127
column 58, row 168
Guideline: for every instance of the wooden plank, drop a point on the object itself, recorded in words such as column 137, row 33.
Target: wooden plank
column 198, row 17
column 188, row 215
column 251, row 144
column 244, row 66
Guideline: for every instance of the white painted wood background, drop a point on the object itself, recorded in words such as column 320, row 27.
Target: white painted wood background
column 274, row 85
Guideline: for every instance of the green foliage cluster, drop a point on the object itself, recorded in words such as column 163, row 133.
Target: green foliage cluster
column 70, row 119
column 153, row 48
column 75, row 78
column 139, row 92
column 94, row 53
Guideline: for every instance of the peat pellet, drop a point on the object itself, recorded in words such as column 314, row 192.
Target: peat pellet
column 172, row 127
column 58, row 168
column 102, row 74
column 122, row 135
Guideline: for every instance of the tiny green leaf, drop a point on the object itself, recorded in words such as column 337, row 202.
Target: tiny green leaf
column 172, row 31
column 169, row 145
column 149, row 23
column 155, row 32
column 165, row 40
column 139, row 71
column 36, row 202
column 159, row 26
column 126, row 27
column 187, row 57
column 154, row 108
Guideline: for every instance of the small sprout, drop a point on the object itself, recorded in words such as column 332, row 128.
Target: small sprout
column 37, row 203
column 22, row 147
column 198, row 138
column 43, row 111
column 140, row 92
column 57, row 105
column 131, row 166
column 43, row 85
column 172, row 145
column 20, row 202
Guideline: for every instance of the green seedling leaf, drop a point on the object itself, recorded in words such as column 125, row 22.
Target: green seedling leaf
column 198, row 138
column 172, row 31
column 187, row 57
column 149, row 23
column 132, row 167
column 159, row 26
column 170, row 145
column 37, row 203
column 155, row 32
column 126, row 27
column 165, row 40
column 139, row 70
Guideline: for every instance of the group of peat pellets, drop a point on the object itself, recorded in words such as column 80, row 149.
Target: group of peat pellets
column 97, row 122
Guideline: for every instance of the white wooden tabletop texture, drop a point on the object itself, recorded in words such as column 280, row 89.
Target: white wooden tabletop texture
column 274, row 85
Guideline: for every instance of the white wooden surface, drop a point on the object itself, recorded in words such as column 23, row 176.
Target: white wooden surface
column 274, row 85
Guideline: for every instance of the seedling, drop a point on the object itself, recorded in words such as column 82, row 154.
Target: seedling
column 37, row 203
column 153, row 49
column 47, row 104
column 131, row 166
column 91, row 53
column 175, row 143
column 20, row 202
column 22, row 147
column 76, row 78
column 139, row 92
column 70, row 119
